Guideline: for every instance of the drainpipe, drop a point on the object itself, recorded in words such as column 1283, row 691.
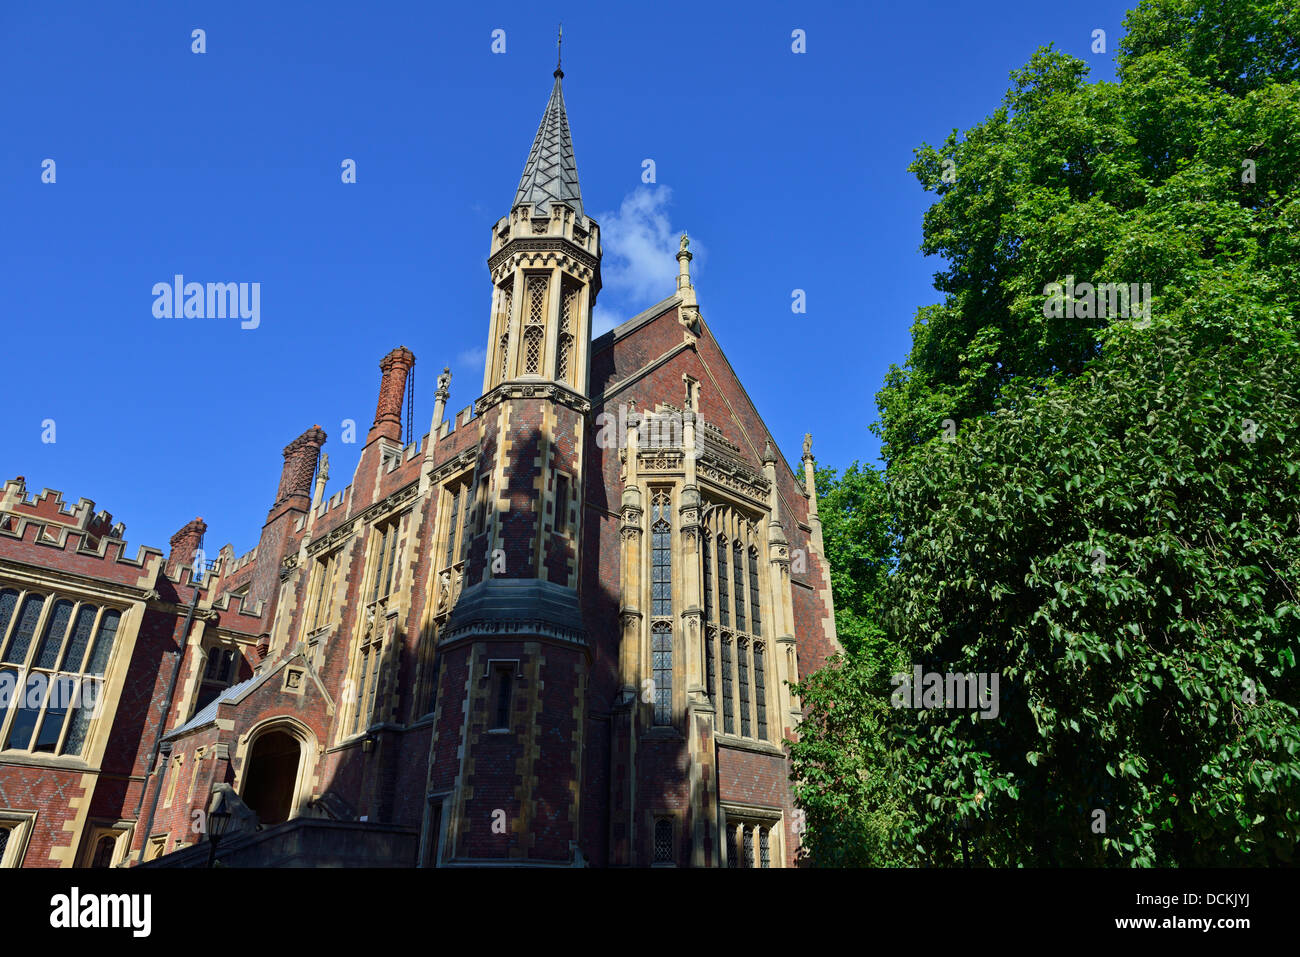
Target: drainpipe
column 157, row 744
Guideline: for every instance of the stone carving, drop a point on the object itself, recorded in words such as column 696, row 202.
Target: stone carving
column 660, row 461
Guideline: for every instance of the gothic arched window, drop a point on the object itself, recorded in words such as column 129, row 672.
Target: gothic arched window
column 534, row 325
column 661, row 597
column 733, row 584
column 503, row 343
column 564, row 345
column 661, row 605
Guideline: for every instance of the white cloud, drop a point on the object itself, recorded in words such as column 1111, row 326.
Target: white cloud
column 472, row 357
column 640, row 248
column 604, row 319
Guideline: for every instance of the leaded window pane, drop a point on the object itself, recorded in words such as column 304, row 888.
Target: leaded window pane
column 532, row 350
column 562, row 360
column 8, row 602
column 374, row 683
column 361, row 688
column 711, row 670
column 733, row 858
column 453, row 526
column 760, row 691
column 4, row 840
column 747, row 835
column 661, row 653
column 536, row 300
column 56, row 627
column 724, row 599
column 26, row 627
column 379, row 564
column 728, row 707
column 743, row 656
column 29, row 709
column 76, row 740
column 738, row 569
column 56, row 711
column 764, row 853
column 103, row 649
column 664, row 841
column 503, row 344
column 754, row 613
column 661, row 555
column 392, row 560
column 708, row 579
column 9, row 692
column 465, row 535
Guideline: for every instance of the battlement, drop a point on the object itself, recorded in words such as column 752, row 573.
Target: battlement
column 23, row 531
column 236, row 607
column 49, row 507
column 450, row 425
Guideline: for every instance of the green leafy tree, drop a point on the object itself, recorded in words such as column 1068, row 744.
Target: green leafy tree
column 1177, row 176
column 1123, row 550
column 1109, row 521
column 845, row 763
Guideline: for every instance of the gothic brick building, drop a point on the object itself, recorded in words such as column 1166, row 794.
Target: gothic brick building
column 556, row 630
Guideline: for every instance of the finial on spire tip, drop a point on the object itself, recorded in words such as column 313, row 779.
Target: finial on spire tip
column 559, row 51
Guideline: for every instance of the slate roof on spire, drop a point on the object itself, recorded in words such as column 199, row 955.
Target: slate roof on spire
column 551, row 173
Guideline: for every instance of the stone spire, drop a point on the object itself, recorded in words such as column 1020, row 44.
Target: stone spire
column 551, row 173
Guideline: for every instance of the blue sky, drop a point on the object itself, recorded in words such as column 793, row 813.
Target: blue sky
column 788, row 170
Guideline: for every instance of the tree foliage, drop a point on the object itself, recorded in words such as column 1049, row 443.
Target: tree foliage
column 1115, row 529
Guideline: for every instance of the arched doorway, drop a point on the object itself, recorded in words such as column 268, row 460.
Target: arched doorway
column 271, row 775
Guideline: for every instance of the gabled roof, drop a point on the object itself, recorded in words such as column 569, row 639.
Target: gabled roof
column 551, row 173
column 209, row 713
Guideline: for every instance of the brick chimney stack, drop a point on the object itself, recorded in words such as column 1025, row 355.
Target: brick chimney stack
column 299, row 464
column 395, row 366
column 185, row 543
